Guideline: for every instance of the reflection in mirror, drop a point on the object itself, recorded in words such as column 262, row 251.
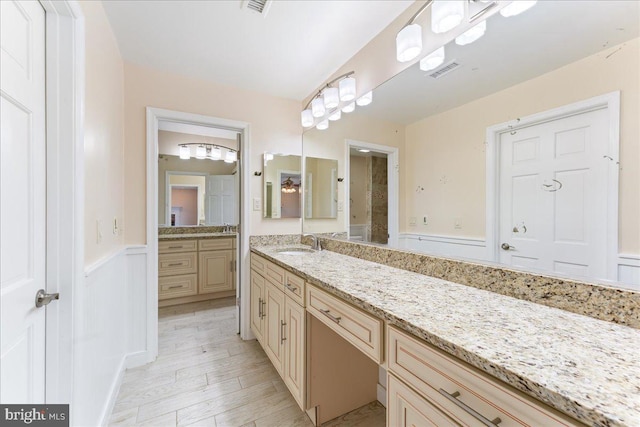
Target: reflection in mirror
column 368, row 196
column 321, row 188
column 527, row 142
column 282, row 178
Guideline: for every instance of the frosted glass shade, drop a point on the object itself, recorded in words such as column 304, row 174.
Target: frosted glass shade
column 517, row 7
column 185, row 152
column 347, row 89
column 365, row 99
column 323, row 125
column 349, row 108
column 216, row 153
column 446, row 15
column 335, row 115
column 432, row 60
column 331, row 99
column 230, row 157
column 409, row 43
column 472, row 34
column 317, row 107
column 201, row 152
column 306, row 117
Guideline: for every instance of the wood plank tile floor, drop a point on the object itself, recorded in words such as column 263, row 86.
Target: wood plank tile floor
column 205, row 375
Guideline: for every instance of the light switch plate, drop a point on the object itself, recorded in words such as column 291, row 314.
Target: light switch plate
column 257, row 204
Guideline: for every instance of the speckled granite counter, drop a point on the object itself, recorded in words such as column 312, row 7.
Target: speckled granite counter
column 195, row 236
column 584, row 367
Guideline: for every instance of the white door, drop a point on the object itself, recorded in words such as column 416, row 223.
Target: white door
column 553, row 195
column 22, row 198
column 221, row 207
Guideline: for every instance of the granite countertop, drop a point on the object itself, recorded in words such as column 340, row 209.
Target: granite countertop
column 195, row 236
column 584, row 367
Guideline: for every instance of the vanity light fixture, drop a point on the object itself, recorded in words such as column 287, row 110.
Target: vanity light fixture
column 432, row 60
column 517, row 7
column 323, row 125
column 472, row 34
column 201, row 152
column 230, row 157
column 216, row 153
column 365, row 99
column 185, row 152
column 349, row 108
column 328, row 99
column 331, row 97
column 446, row 15
column 347, row 89
column 307, row 118
column 409, row 39
column 335, row 115
column 317, row 107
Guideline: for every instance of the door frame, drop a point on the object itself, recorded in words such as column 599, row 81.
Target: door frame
column 168, row 186
column 279, row 173
column 154, row 116
column 393, row 184
column 609, row 101
column 65, row 91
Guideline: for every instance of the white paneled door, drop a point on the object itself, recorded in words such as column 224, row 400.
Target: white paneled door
column 553, row 195
column 22, row 198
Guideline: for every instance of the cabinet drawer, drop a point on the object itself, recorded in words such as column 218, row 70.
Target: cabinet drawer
column 180, row 263
column 177, row 286
column 258, row 264
column 451, row 384
column 215, row 244
column 294, row 287
column 359, row 328
column 406, row 408
column 171, row 246
column 274, row 273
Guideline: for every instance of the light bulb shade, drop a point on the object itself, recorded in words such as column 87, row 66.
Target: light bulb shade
column 446, row 15
column 347, row 89
column 323, row 125
column 230, row 157
column 472, row 34
column 185, row 152
column 517, row 7
column 365, row 99
column 331, row 99
column 317, row 107
column 409, row 43
column 432, row 60
column 349, row 108
column 306, row 117
column 216, row 153
column 201, row 152
column 335, row 115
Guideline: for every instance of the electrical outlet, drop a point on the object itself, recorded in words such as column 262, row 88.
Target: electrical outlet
column 457, row 223
column 257, row 204
column 115, row 226
column 425, row 219
column 412, row 221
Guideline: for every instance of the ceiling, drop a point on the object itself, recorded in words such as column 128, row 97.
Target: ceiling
column 548, row 36
column 288, row 52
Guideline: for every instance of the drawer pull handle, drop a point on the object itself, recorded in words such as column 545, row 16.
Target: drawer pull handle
column 291, row 288
column 282, row 330
column 260, row 308
column 453, row 398
column 175, row 264
column 175, row 247
column 263, row 310
column 175, row 287
column 328, row 314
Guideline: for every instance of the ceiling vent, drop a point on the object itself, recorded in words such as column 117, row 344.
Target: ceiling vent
column 445, row 69
column 257, row 6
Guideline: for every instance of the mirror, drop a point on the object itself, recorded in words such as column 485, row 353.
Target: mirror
column 282, row 186
column 320, row 188
column 447, row 121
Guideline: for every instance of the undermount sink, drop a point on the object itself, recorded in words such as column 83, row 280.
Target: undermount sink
column 295, row 251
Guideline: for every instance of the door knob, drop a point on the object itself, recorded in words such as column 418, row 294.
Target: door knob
column 43, row 298
column 506, row 246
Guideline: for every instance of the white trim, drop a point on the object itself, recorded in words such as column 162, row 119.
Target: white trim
column 628, row 268
column 154, row 116
column 65, row 63
column 113, row 393
column 610, row 101
column 393, row 185
column 97, row 265
column 167, row 197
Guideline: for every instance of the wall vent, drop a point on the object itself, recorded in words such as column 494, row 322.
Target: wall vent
column 445, row 69
column 257, row 6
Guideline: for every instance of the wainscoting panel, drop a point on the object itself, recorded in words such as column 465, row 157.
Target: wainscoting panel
column 454, row 247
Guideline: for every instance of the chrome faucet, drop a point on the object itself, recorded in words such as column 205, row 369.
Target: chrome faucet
column 315, row 245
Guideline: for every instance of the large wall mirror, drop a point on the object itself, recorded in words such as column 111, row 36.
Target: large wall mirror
column 282, row 178
column 520, row 148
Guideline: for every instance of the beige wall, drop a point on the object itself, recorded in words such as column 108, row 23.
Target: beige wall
column 358, row 177
column 275, row 127
column 103, row 135
column 330, row 144
column 445, row 153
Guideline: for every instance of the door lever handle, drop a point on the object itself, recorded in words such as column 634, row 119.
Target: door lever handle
column 507, row 247
column 43, row 298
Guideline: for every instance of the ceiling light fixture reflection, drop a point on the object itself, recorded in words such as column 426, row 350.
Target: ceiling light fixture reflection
column 328, row 99
column 365, row 99
column 306, row 117
column 409, row 38
column 472, row 34
column 201, row 152
column 349, row 108
column 323, row 125
column 207, row 151
column 446, row 15
column 317, row 107
column 185, row 152
column 433, row 60
column 335, row 115
column 347, row 89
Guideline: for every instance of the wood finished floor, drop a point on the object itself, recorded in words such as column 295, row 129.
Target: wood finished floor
column 205, row 375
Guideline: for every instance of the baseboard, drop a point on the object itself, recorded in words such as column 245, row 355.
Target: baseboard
column 113, row 393
column 139, row 358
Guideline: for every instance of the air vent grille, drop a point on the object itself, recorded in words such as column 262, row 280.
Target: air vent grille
column 446, row 69
column 257, row 6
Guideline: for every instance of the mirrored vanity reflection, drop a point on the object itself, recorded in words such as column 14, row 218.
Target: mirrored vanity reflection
column 282, row 178
column 519, row 149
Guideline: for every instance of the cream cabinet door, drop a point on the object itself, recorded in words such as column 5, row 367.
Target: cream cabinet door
column 294, row 354
column 258, row 303
column 215, row 271
column 274, row 326
column 406, row 408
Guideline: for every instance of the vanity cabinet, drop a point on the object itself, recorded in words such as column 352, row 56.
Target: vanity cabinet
column 438, row 386
column 216, row 270
column 278, row 321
